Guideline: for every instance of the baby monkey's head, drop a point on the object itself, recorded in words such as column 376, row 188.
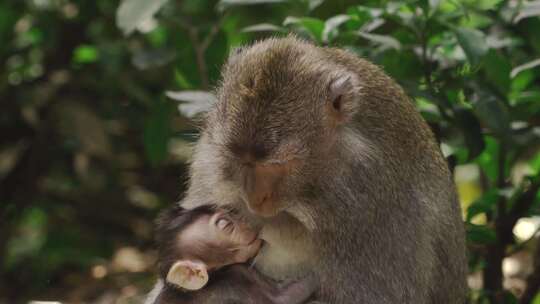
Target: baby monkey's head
column 193, row 242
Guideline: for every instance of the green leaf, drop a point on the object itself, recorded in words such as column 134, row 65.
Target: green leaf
column 29, row 238
column 186, row 65
column 483, row 205
column 360, row 15
column 263, row 27
column 402, row 65
column 509, row 298
column 527, row 10
column 524, row 67
column 157, row 132
column 536, row 299
column 534, row 163
column 522, row 80
column 314, row 27
column 473, row 43
column 483, row 4
column 472, row 131
column 385, row 42
column 224, row 4
column 8, row 17
column 494, row 114
column 313, row 4
column 216, row 55
column 331, row 27
column 158, row 37
column 497, row 70
column 133, row 13
column 181, row 80
column 85, row 54
column 480, row 234
column 487, row 160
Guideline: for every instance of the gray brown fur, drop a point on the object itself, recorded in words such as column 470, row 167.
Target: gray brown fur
column 236, row 284
column 372, row 210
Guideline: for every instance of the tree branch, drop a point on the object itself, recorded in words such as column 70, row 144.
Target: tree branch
column 493, row 275
column 201, row 47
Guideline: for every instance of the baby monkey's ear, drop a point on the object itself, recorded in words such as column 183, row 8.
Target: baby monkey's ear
column 188, row 274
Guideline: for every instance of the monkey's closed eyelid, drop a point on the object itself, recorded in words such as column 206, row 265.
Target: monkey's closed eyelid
column 223, row 223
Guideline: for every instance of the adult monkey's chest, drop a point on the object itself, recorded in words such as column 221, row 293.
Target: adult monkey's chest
column 288, row 252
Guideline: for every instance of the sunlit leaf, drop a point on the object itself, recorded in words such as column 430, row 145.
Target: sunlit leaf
column 384, row 41
column 263, row 27
column 534, row 163
column 331, row 27
column 536, row 299
column 181, row 80
column 527, row 10
column 132, row 13
column 194, row 102
column 524, row 67
column 522, row 80
column 85, row 54
column 313, row 4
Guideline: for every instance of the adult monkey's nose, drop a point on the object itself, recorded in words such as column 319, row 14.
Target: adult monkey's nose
column 261, row 188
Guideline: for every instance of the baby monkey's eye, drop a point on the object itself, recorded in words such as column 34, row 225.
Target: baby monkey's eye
column 224, row 224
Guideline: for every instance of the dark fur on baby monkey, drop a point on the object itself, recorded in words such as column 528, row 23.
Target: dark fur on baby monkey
column 193, row 243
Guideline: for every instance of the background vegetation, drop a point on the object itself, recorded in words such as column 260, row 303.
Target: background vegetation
column 91, row 147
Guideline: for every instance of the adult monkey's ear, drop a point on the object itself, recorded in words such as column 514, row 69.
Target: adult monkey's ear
column 343, row 92
column 188, row 274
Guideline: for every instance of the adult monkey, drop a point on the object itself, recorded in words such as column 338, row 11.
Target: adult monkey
column 332, row 159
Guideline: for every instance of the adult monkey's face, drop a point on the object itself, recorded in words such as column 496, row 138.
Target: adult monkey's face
column 280, row 115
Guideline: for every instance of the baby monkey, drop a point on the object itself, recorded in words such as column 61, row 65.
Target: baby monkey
column 193, row 243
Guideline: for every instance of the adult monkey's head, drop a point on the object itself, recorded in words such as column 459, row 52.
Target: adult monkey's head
column 282, row 111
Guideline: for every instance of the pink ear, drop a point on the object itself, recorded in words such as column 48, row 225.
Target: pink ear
column 188, row 274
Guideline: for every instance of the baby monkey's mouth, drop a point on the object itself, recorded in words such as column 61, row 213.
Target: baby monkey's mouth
column 254, row 240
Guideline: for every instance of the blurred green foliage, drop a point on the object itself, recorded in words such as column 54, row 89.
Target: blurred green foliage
column 92, row 148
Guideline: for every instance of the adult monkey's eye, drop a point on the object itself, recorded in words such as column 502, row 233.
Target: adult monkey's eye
column 223, row 223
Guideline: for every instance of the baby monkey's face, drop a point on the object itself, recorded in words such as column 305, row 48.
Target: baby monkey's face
column 219, row 239
column 211, row 241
